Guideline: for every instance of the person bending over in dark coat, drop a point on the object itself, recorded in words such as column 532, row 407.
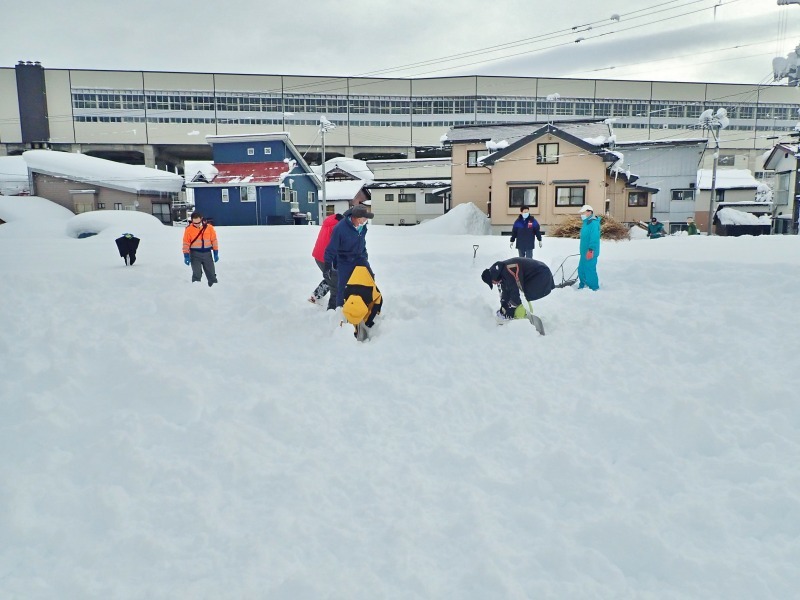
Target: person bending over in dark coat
column 531, row 276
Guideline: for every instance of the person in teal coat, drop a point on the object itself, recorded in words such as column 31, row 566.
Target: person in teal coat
column 655, row 229
column 590, row 249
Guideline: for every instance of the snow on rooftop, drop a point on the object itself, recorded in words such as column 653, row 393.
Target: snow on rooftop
column 464, row 219
column 727, row 179
column 731, row 216
column 343, row 190
column 353, row 166
column 105, row 173
column 191, row 168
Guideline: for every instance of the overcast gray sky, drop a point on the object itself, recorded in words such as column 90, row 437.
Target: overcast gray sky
column 678, row 40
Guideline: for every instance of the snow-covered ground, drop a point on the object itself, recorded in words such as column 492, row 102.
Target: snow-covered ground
column 162, row 439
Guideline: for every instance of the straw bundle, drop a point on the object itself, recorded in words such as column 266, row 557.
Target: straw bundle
column 610, row 229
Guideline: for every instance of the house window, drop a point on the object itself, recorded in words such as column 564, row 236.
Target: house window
column 637, row 199
column 406, row 197
column 310, row 198
column 251, row 152
column 225, row 194
column 389, row 198
column 267, row 150
column 161, row 211
column 101, row 205
column 247, row 193
column 781, row 195
column 288, row 195
column 117, row 205
column 570, row 196
column 720, row 195
column 546, row 154
column 433, row 199
column 474, row 155
column 523, row 196
column 683, row 195
column 130, row 207
column 83, row 206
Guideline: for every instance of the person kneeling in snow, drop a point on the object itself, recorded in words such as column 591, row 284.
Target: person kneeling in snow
column 362, row 299
column 510, row 276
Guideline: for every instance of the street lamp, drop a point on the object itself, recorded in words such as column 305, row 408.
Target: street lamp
column 714, row 122
column 324, row 127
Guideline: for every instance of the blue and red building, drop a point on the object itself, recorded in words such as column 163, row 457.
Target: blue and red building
column 261, row 179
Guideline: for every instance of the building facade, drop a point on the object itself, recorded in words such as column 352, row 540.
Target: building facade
column 162, row 118
column 408, row 192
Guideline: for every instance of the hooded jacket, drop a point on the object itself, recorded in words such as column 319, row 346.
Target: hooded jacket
column 590, row 236
column 324, row 237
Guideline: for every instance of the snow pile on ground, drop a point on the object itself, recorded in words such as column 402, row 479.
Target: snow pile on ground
column 31, row 208
column 13, row 176
column 116, row 222
column 731, row 216
column 637, row 233
column 163, row 439
column 464, row 219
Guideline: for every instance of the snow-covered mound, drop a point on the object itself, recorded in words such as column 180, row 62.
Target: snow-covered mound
column 13, row 175
column 31, row 208
column 464, row 219
column 115, row 222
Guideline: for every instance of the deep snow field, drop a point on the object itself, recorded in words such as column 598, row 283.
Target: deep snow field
column 162, row 439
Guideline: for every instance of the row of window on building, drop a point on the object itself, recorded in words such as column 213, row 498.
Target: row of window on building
column 580, row 107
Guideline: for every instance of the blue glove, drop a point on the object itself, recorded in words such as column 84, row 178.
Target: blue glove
column 186, row 259
column 216, row 255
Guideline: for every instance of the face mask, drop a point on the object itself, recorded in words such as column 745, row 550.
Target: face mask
column 360, row 227
column 525, row 215
column 584, row 217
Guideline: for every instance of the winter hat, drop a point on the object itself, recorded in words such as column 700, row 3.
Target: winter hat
column 359, row 212
column 586, row 207
column 487, row 278
column 492, row 274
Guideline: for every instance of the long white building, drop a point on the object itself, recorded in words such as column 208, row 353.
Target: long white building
column 162, row 118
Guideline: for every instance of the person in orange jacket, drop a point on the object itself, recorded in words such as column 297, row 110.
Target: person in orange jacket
column 199, row 244
column 329, row 281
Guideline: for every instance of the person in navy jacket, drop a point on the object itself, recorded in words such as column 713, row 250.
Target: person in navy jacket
column 532, row 277
column 347, row 248
column 526, row 231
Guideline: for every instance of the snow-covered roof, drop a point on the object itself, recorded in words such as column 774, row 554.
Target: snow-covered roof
column 411, row 183
column 732, row 216
column 355, row 167
column 105, row 173
column 343, row 190
column 681, row 142
column 727, row 179
column 193, row 168
column 408, row 160
column 13, row 176
column 512, row 132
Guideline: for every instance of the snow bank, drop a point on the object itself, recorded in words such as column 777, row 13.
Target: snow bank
column 13, row 176
column 32, row 208
column 114, row 222
column 464, row 219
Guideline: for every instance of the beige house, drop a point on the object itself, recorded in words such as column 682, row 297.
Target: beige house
column 552, row 169
column 84, row 183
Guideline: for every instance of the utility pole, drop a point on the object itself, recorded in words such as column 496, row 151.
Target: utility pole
column 324, row 127
column 714, row 122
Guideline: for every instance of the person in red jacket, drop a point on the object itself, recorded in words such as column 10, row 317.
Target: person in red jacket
column 329, row 281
